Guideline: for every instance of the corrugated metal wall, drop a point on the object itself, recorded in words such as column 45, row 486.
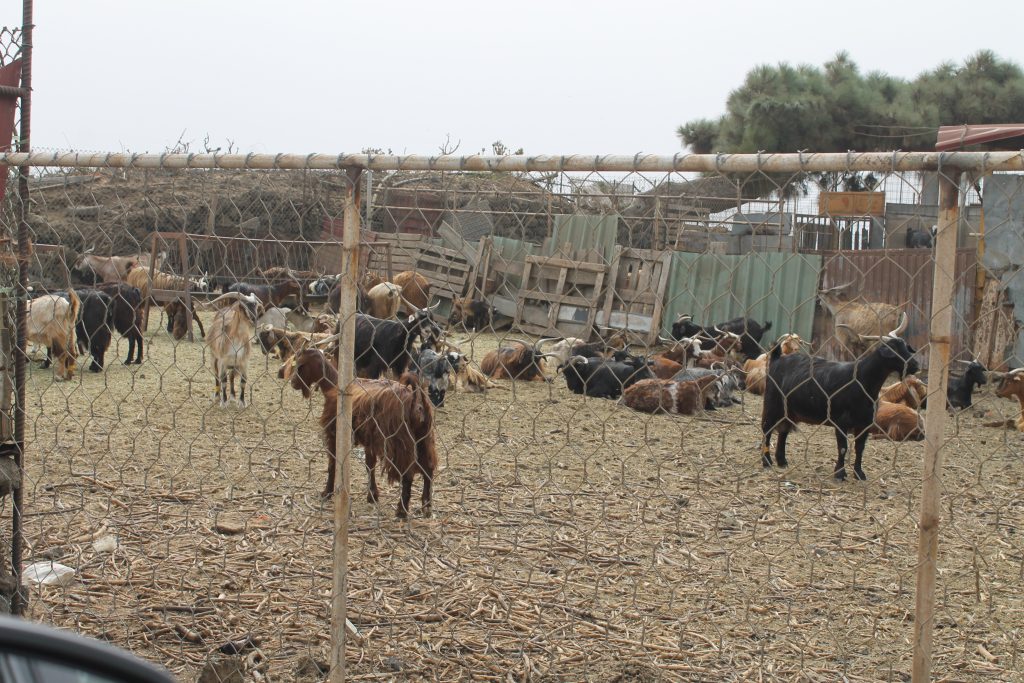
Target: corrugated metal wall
column 585, row 232
column 776, row 286
column 902, row 277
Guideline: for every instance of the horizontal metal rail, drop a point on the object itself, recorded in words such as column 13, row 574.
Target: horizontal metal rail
column 649, row 163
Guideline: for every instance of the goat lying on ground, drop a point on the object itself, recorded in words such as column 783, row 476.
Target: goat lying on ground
column 516, row 359
column 898, row 422
column 392, row 421
column 909, row 391
column 668, row 396
column 1011, row 385
column 756, row 370
column 802, row 388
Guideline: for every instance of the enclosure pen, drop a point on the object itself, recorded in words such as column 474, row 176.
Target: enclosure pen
column 561, row 535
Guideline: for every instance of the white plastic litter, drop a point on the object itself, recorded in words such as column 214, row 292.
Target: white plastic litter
column 48, row 574
column 105, row 544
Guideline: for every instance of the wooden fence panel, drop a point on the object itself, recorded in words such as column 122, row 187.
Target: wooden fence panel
column 559, row 296
column 635, row 296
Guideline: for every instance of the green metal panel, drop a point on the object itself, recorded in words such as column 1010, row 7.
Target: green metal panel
column 776, row 286
column 510, row 250
column 585, row 232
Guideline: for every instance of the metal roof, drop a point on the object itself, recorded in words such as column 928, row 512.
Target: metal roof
column 957, row 137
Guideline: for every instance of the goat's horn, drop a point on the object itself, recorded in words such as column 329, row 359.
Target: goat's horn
column 901, row 326
column 449, row 345
column 327, row 340
column 1015, row 372
column 684, row 316
column 541, row 342
column 430, row 308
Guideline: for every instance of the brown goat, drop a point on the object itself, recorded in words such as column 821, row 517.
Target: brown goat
column 51, row 322
column 177, row 319
column 897, row 422
column 415, row 290
column 1011, row 385
column 516, row 360
column 392, row 421
column 663, row 368
column 910, row 392
column 853, row 320
column 667, row 396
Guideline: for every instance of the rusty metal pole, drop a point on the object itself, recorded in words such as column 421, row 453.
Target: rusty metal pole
column 935, row 422
column 349, row 270
column 18, row 601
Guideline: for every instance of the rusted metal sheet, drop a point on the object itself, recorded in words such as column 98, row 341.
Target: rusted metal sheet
column 902, row 277
column 10, row 75
column 851, row 204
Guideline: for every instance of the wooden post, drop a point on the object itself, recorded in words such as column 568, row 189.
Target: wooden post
column 349, row 270
column 935, row 422
column 183, row 255
column 152, row 269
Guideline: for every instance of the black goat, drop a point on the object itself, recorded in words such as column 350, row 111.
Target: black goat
column 803, row 388
column 126, row 316
column 92, row 329
column 382, row 345
column 751, row 332
column 959, row 389
column 599, row 378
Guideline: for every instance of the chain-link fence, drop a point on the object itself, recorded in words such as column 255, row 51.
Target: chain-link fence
column 602, row 508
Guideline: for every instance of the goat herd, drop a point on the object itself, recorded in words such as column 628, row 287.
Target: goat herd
column 405, row 364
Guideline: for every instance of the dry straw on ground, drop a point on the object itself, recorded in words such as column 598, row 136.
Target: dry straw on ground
column 572, row 539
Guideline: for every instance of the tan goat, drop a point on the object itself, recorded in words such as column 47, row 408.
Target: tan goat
column 911, row 392
column 51, row 322
column 756, row 369
column 854, row 320
column 230, row 340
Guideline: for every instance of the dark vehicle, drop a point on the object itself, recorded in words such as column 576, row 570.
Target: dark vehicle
column 32, row 653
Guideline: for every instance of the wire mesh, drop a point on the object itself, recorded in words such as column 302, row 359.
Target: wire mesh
column 628, row 532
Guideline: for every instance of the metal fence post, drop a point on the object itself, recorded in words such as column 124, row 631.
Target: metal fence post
column 935, row 421
column 346, row 352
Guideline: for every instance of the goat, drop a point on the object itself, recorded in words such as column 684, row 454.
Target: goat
column 106, row 269
column 392, row 421
column 909, row 391
column 682, row 351
column 518, row 360
column 897, row 422
column 384, row 300
column 1011, row 385
column 268, row 295
column 51, row 321
column 92, row 329
column 473, row 314
column 230, row 338
column 802, row 388
column 363, row 303
column 751, row 332
column 323, row 284
column 288, row 343
column 433, row 371
column 415, row 291
column 177, row 319
column 668, row 396
column 382, row 345
column 720, row 395
column 959, row 389
column 855, row 321
column 756, row 370
column 126, row 316
column 599, row 378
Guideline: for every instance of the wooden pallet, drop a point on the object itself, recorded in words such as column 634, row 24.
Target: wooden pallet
column 447, row 270
column 635, row 295
column 559, row 296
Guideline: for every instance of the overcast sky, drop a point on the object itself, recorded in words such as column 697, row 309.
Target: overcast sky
column 551, row 77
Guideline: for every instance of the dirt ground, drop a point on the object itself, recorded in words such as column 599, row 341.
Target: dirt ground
column 572, row 539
